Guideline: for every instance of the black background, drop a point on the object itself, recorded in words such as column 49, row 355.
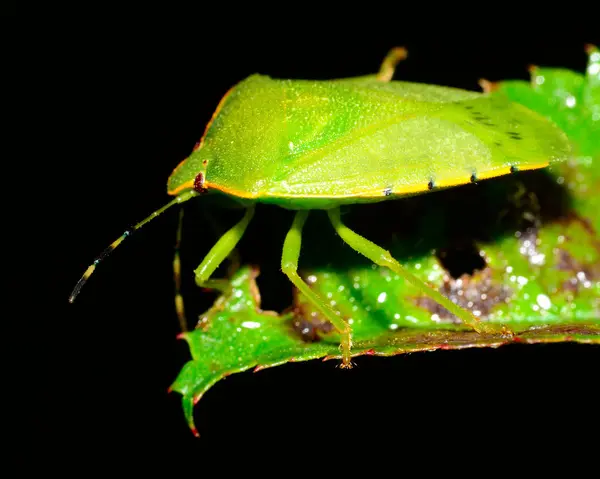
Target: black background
column 119, row 108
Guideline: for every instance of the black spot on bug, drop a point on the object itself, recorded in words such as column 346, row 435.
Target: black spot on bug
column 387, row 191
column 430, row 185
column 514, row 135
column 199, row 183
column 468, row 107
column 205, row 162
column 482, row 118
column 514, row 169
column 473, row 178
column 497, row 143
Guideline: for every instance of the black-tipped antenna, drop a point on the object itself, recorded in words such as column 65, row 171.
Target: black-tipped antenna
column 88, row 272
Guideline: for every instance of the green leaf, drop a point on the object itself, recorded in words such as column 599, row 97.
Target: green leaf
column 519, row 250
column 236, row 336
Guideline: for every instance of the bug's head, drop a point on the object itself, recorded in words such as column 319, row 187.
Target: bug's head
column 190, row 173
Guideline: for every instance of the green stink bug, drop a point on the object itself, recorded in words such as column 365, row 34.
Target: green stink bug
column 306, row 145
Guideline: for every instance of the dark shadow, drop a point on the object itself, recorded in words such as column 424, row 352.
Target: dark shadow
column 453, row 223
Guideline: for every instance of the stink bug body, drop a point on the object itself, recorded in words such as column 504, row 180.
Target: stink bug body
column 306, row 145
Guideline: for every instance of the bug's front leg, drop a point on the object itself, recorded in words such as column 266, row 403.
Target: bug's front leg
column 220, row 285
column 289, row 265
column 221, row 250
column 382, row 257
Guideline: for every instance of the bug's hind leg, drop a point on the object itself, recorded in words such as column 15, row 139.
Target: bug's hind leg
column 391, row 60
column 289, row 265
column 219, row 252
column 382, row 257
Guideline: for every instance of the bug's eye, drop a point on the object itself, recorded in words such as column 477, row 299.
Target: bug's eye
column 199, row 183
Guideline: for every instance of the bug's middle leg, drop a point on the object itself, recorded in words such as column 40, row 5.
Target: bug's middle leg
column 382, row 257
column 289, row 265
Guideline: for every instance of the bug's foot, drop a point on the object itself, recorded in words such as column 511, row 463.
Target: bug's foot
column 507, row 332
column 487, row 86
column 495, row 329
column 346, row 346
column 346, row 365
